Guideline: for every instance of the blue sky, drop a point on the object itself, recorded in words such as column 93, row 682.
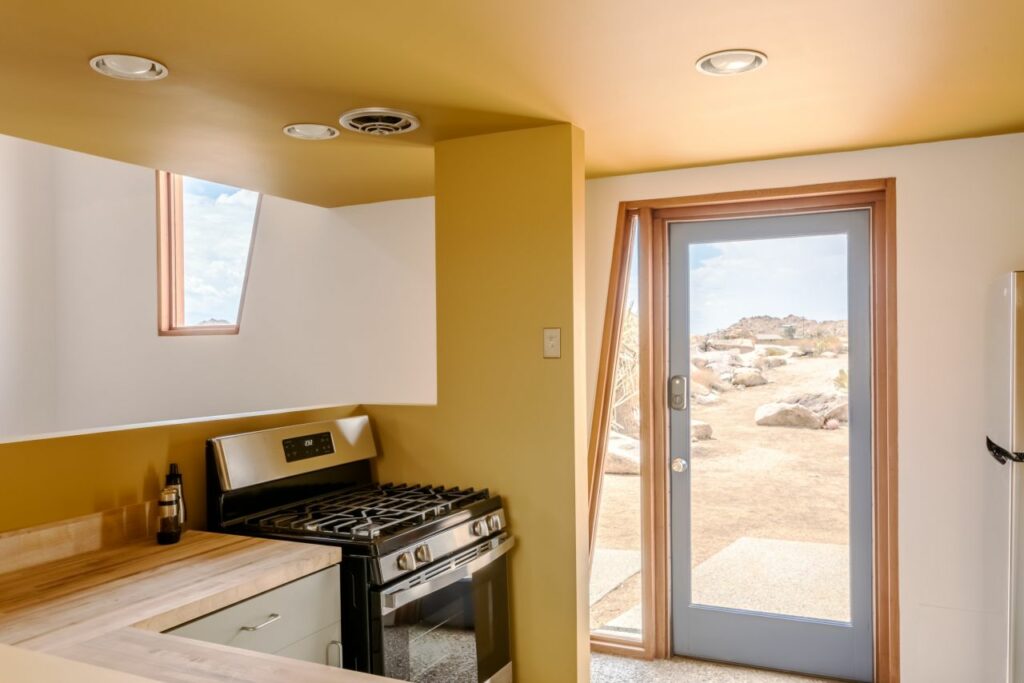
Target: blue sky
column 218, row 223
column 804, row 276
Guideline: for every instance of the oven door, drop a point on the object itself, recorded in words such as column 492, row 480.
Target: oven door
column 448, row 622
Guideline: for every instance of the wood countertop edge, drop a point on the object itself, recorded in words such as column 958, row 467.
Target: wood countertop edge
column 141, row 648
column 317, row 559
column 172, row 659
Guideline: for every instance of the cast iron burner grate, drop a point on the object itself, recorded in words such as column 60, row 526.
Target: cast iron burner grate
column 366, row 513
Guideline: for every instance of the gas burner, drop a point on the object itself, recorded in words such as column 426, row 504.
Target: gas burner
column 367, row 512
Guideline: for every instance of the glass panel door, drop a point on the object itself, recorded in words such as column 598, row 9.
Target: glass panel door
column 771, row 457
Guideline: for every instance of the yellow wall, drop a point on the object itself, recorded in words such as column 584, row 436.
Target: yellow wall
column 53, row 479
column 509, row 240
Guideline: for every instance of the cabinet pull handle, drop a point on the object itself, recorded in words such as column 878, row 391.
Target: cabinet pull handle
column 270, row 620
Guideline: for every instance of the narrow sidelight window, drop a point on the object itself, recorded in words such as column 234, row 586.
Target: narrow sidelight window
column 206, row 233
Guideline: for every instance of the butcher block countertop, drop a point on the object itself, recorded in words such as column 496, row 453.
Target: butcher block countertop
column 98, row 590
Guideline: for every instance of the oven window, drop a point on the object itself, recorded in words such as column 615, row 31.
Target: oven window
column 457, row 634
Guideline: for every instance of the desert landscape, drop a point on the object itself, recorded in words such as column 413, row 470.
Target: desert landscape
column 769, row 476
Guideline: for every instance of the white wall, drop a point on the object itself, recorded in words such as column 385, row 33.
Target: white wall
column 27, row 290
column 960, row 224
column 339, row 307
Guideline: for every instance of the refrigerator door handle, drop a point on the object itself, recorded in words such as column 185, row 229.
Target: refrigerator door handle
column 1001, row 454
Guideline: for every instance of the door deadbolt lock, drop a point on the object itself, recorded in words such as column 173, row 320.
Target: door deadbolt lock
column 677, row 392
column 679, row 465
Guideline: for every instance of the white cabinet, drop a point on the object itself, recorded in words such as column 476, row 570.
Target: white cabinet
column 301, row 620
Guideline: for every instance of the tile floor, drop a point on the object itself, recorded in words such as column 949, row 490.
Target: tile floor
column 609, row 669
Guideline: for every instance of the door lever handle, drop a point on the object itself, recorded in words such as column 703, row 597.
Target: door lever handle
column 677, row 392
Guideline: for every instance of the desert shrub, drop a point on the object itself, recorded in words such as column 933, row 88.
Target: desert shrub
column 774, row 351
column 842, row 380
column 828, row 343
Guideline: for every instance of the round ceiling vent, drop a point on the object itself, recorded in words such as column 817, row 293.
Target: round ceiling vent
column 379, row 121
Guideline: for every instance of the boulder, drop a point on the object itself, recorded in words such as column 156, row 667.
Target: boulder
column 826, row 404
column 841, row 413
column 699, row 430
column 769, row 362
column 748, row 377
column 623, row 455
column 698, row 389
column 706, row 399
column 742, row 345
column 748, row 360
column 703, row 359
column 787, row 415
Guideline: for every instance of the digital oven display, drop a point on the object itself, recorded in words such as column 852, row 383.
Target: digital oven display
column 310, row 446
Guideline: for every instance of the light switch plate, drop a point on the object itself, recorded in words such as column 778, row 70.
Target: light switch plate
column 552, row 342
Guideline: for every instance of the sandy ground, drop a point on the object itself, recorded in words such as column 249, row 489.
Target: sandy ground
column 763, row 482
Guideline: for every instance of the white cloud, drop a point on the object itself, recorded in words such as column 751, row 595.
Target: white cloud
column 218, row 230
column 804, row 276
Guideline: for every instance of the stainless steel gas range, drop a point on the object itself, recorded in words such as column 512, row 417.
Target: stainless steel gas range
column 424, row 572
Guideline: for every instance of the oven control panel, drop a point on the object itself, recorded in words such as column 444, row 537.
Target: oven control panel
column 309, row 446
column 441, row 545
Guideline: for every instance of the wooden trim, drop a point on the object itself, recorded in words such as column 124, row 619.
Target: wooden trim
column 654, row 440
column 167, row 234
column 621, row 647
column 769, row 207
column 171, row 263
column 879, row 195
column 659, row 539
column 649, row 396
column 176, row 223
column 885, row 412
column 797, row 191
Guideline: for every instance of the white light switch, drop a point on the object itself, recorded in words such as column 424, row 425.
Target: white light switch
column 552, row 342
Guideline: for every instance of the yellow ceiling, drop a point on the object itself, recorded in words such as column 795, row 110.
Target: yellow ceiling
column 840, row 75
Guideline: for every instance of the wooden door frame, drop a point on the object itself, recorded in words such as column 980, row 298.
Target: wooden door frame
column 650, row 218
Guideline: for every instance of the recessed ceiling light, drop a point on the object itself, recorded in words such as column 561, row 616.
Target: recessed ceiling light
column 129, row 67
column 729, row 62
column 310, row 131
column 379, row 121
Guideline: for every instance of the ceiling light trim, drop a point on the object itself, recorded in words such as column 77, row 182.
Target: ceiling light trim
column 128, row 67
column 310, row 131
column 731, row 62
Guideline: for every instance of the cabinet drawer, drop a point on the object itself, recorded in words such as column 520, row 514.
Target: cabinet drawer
column 302, row 608
column 321, row 647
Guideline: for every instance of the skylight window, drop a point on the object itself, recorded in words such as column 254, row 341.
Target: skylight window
column 206, row 235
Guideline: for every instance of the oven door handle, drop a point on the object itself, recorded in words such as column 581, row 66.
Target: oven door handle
column 389, row 602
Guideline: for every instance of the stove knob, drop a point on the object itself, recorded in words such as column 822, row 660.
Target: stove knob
column 405, row 562
column 479, row 528
column 494, row 522
column 423, row 553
